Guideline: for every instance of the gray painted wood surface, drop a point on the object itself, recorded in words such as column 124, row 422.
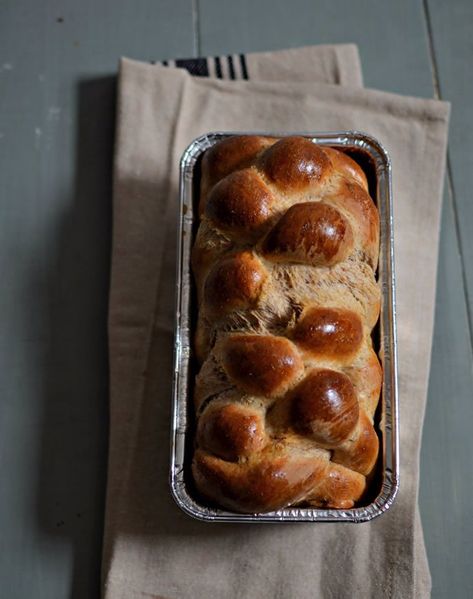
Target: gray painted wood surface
column 446, row 482
column 57, row 66
column 451, row 25
column 58, row 61
column 391, row 36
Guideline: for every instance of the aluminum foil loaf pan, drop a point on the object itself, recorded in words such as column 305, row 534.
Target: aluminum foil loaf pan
column 372, row 157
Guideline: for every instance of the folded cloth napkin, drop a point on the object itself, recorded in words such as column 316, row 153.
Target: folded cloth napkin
column 151, row 548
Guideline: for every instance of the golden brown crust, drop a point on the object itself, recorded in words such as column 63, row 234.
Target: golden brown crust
column 329, row 332
column 366, row 375
column 353, row 199
column 272, row 481
column 346, row 165
column 240, row 204
column 234, row 283
column 325, row 407
column 285, row 260
column 261, row 365
column 310, row 233
column 360, row 452
column 340, row 488
column 229, row 155
column 294, row 163
column 231, row 431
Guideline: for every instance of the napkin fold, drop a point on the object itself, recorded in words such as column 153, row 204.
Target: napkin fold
column 151, row 548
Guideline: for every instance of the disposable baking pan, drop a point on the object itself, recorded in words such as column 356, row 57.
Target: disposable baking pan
column 374, row 160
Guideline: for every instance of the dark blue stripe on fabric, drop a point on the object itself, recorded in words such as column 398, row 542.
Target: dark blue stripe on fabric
column 218, row 67
column 195, row 66
column 244, row 69
column 231, row 67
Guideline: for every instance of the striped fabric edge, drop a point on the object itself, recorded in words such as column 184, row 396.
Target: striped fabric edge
column 229, row 67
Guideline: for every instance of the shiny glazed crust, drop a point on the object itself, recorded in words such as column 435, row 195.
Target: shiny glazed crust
column 284, row 262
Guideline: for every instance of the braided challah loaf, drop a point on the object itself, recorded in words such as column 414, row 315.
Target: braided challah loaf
column 284, row 262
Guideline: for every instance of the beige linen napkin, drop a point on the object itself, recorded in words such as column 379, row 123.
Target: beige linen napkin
column 151, row 548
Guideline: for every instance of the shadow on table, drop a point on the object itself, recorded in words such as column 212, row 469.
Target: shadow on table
column 74, row 436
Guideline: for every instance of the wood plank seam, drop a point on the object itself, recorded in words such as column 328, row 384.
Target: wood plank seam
column 196, row 27
column 450, row 185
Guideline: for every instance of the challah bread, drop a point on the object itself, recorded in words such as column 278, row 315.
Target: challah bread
column 284, row 262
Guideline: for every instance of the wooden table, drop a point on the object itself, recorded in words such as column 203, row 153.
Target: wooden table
column 58, row 60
